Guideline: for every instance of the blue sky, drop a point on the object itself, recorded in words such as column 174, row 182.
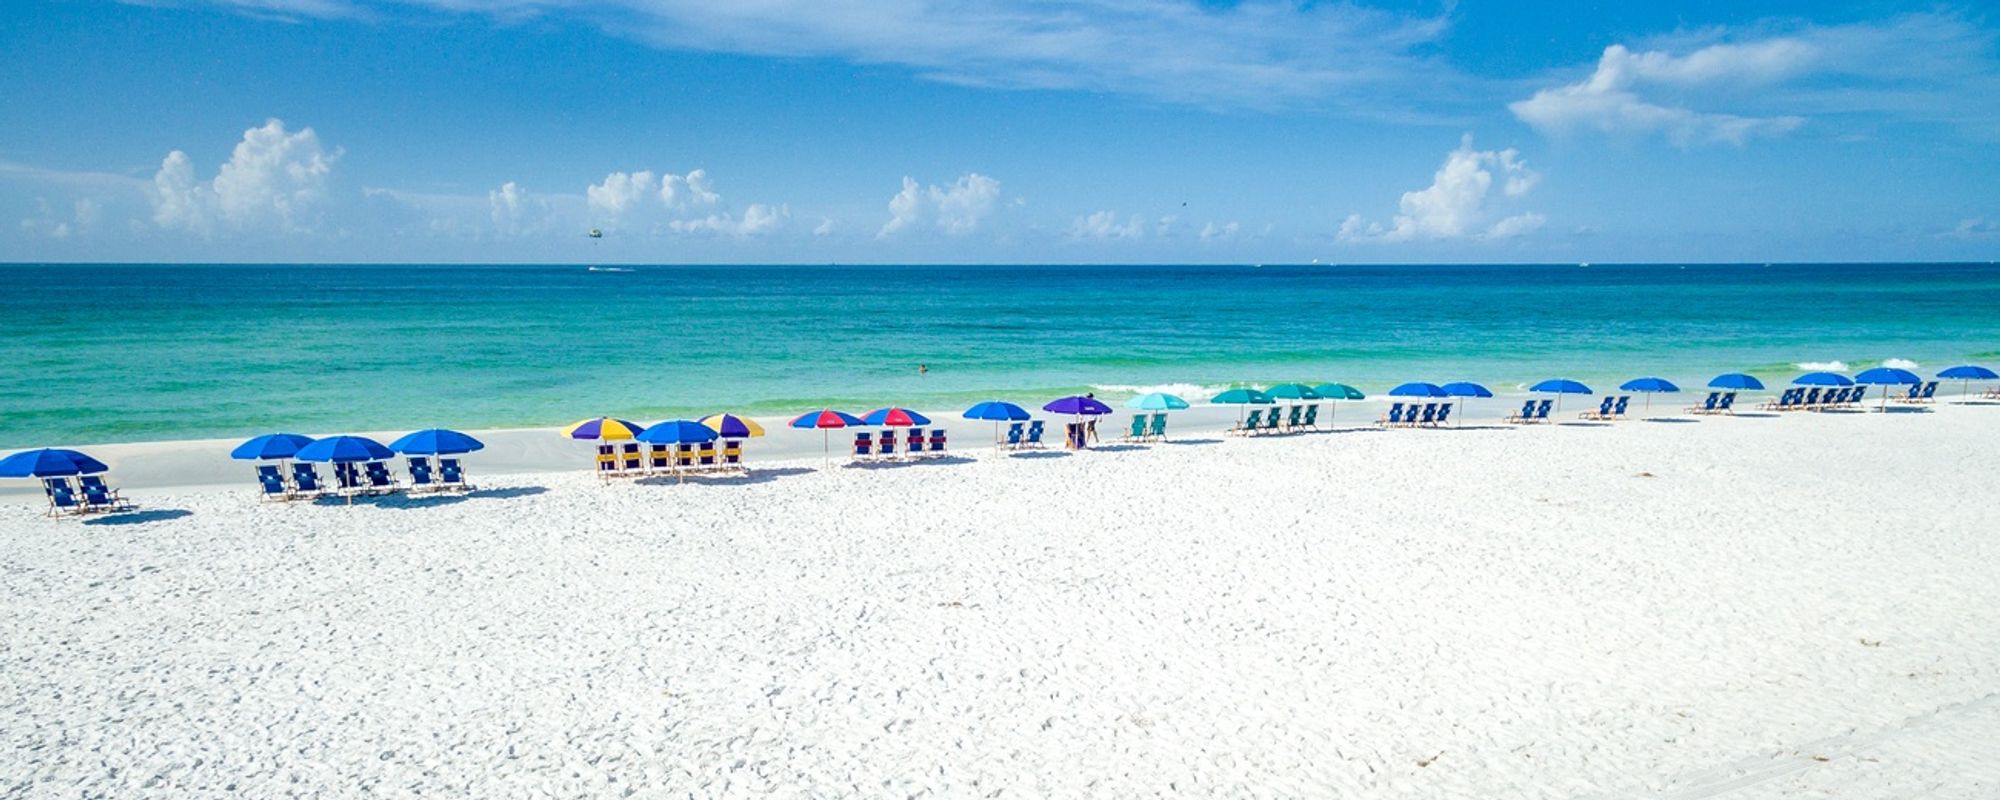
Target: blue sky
column 982, row 131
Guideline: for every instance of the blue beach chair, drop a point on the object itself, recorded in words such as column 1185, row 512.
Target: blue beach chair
column 1930, row 392
column 1727, row 406
column 305, row 480
column 379, row 479
column 62, row 497
column 1525, row 415
column 1603, row 409
column 1444, row 414
column 1618, row 411
column 864, row 445
column 1395, row 416
column 272, row 483
column 937, row 442
column 451, row 475
column 1034, row 434
column 1014, row 436
column 1707, row 406
column 1428, row 416
column 99, row 497
column 1296, row 418
column 885, row 444
column 1271, row 421
column 1542, row 410
column 421, row 477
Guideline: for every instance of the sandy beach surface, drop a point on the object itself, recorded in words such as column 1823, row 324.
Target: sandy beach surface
column 1752, row 607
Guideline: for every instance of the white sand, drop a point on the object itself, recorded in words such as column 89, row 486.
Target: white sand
column 1643, row 610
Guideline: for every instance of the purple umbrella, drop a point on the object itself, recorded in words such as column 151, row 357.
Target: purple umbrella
column 1077, row 405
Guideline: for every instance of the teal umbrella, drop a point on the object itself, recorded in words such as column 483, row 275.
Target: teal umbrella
column 1239, row 398
column 1291, row 391
column 1157, row 401
column 1336, row 392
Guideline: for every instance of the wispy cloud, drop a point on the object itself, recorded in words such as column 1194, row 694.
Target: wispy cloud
column 1724, row 86
column 1251, row 54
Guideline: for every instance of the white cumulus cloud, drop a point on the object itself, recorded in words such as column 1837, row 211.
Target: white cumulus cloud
column 955, row 209
column 1105, row 225
column 1610, row 100
column 757, row 219
column 1455, row 204
column 1212, row 232
column 274, row 179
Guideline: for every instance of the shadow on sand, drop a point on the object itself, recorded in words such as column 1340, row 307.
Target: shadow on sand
column 921, row 462
column 1031, row 454
column 141, row 517
column 1671, row 420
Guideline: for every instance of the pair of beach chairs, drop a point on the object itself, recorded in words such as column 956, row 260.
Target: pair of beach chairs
column 1147, row 429
column 916, row 443
column 1023, row 436
column 1532, row 411
column 1610, row 409
column 87, row 495
column 1817, row 399
column 1716, row 403
column 1290, row 419
column 1415, row 415
column 1919, row 393
column 349, row 480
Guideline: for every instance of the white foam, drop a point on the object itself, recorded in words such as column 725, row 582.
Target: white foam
column 1191, row 392
column 1823, row 366
column 1900, row 363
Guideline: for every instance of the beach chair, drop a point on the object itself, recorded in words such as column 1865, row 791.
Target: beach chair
column 937, row 442
column 709, row 458
column 864, row 446
column 1707, row 406
column 346, row 479
column 659, row 458
column 1138, row 431
column 1428, row 416
column 1312, row 416
column 1542, row 410
column 451, row 476
column 1810, row 401
column 1393, row 418
column 1727, row 406
column 1034, row 434
column 1158, row 431
column 271, row 482
column 1525, row 415
column 1930, row 392
column 684, row 457
column 1250, row 424
column 631, row 461
column 1603, row 409
column 1271, row 421
column 1444, row 414
column 732, row 455
column 1295, row 418
column 305, row 480
column 1078, row 436
column 607, row 460
column 62, row 497
column 885, row 444
column 1618, row 411
column 379, row 479
column 1013, row 436
column 421, row 478
column 1860, row 393
column 99, row 497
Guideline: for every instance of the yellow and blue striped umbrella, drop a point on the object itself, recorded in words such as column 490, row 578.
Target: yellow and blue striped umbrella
column 604, row 428
column 730, row 426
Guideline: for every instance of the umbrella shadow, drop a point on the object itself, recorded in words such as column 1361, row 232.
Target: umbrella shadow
column 1900, row 409
column 754, row 476
column 1480, row 428
column 1756, row 415
column 1119, row 448
column 1035, row 454
column 1671, row 420
column 1356, row 429
column 1187, row 442
column 901, row 464
column 418, row 501
column 141, row 517
column 1582, row 424
column 509, row 492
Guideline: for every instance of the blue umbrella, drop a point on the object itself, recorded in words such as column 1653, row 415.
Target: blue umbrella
column 677, row 431
column 270, row 446
column 1560, row 387
column 1965, row 374
column 1077, row 405
column 1465, row 389
column 1822, row 379
column 344, row 449
column 996, row 411
column 1649, row 386
column 1418, row 389
column 1736, row 380
column 1887, row 376
column 436, row 442
column 1157, row 401
column 49, row 463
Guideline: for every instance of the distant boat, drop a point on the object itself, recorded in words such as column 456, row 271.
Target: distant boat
column 609, row 269
column 1583, row 263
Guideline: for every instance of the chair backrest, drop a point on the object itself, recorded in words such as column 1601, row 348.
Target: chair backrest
column 1014, row 433
column 1035, row 432
column 1528, row 409
column 1619, row 409
column 1811, row 398
column 1295, row 415
column 1271, row 420
column 420, row 472
column 270, row 480
column 1395, row 412
column 1930, row 389
column 632, row 459
column 1542, row 409
column 1312, row 414
column 1256, row 420
column 1727, row 399
column 1159, row 425
column 607, row 460
column 96, row 494
column 1430, row 413
column 886, row 442
column 268, row 471
column 914, row 435
column 937, row 441
column 1604, row 406
column 660, row 456
column 1138, row 426
column 305, row 477
column 1859, row 392
column 708, row 453
column 378, row 473
column 684, row 455
column 449, row 471
column 59, row 492
column 419, row 461
column 863, row 444
column 1444, row 412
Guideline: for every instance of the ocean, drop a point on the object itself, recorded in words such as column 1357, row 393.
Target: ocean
column 112, row 353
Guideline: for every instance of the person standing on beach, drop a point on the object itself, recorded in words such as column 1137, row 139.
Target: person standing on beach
column 1090, row 427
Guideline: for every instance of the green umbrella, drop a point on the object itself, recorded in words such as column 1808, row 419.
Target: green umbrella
column 1337, row 391
column 1241, row 397
column 1291, row 391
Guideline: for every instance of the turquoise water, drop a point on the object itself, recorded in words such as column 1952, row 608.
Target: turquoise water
column 95, row 353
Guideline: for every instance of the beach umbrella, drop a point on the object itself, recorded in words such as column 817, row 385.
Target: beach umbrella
column 1157, row 401
column 49, row 463
column 343, row 450
column 603, row 429
column 730, row 426
column 436, row 442
column 1649, row 386
column 894, row 417
column 1077, row 405
column 1466, row 389
column 1291, row 391
column 1560, row 387
column 677, row 431
column 1822, row 379
column 1737, row 381
column 270, row 446
column 1965, row 374
column 1887, row 376
column 996, row 411
column 826, row 419
column 1240, row 398
column 1418, row 389
column 1337, row 392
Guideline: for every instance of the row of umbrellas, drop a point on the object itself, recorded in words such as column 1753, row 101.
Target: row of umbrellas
column 351, row 449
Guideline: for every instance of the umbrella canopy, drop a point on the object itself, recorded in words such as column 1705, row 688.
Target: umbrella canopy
column 49, row 463
column 1560, row 386
column 344, row 449
column 603, row 428
column 731, row 426
column 1240, row 397
column 1822, row 379
column 1157, row 401
column 1338, row 391
column 1466, row 389
column 677, row 431
column 894, row 417
column 996, row 411
column 436, row 442
column 270, row 445
column 826, row 418
column 1291, row 391
column 1969, row 372
column 1736, row 380
column 1418, row 389
column 1077, row 405
column 1648, row 385
column 1887, row 376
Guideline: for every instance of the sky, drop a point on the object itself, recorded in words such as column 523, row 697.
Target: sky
column 996, row 131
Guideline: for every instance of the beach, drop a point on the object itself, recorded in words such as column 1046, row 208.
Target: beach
column 1768, row 606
